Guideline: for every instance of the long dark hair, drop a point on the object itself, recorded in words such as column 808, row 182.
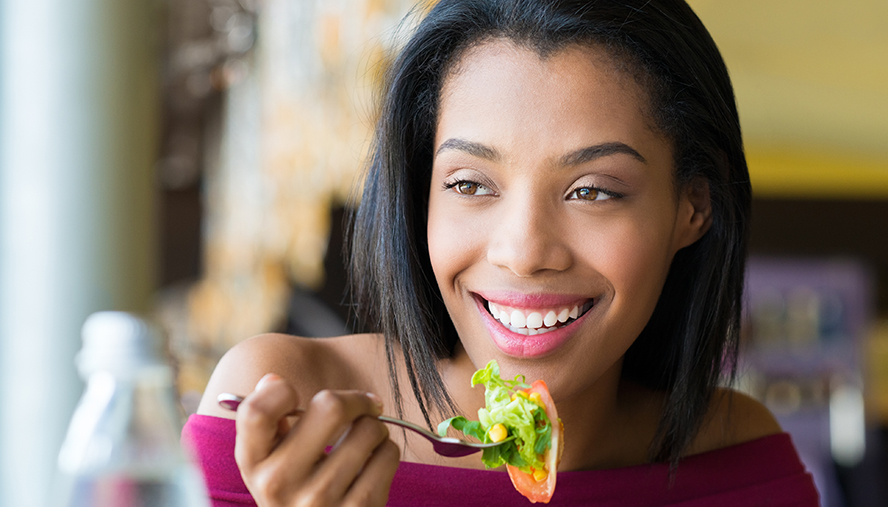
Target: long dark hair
column 691, row 338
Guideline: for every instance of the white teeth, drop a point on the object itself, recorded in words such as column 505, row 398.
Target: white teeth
column 531, row 332
column 550, row 319
column 534, row 322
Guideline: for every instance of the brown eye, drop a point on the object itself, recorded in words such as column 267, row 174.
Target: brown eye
column 592, row 194
column 587, row 194
column 467, row 187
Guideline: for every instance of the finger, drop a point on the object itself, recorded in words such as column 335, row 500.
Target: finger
column 261, row 419
column 292, row 466
column 336, row 473
column 328, row 415
column 373, row 484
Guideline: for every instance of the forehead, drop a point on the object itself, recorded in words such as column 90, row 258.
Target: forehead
column 576, row 92
column 554, row 64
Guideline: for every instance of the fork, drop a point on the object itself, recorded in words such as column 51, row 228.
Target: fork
column 445, row 446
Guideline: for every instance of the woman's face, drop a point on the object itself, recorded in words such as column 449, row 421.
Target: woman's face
column 553, row 217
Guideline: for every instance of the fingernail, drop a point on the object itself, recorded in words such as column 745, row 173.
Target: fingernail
column 375, row 399
column 269, row 377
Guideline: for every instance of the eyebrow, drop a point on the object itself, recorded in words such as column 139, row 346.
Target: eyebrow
column 590, row 153
column 475, row 149
column 577, row 157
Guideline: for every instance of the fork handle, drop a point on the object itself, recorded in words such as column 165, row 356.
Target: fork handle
column 232, row 401
column 408, row 425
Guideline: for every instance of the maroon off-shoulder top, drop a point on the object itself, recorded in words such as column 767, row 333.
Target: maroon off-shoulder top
column 763, row 472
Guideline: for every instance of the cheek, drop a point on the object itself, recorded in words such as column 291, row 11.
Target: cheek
column 635, row 260
column 450, row 245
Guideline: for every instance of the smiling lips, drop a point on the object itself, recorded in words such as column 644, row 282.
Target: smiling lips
column 534, row 322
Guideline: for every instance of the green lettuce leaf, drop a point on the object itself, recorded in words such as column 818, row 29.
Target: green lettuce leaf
column 524, row 420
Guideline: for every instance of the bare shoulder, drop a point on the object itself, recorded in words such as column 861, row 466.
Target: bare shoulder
column 733, row 418
column 308, row 364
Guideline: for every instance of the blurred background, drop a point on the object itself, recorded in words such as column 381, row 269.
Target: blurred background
column 193, row 159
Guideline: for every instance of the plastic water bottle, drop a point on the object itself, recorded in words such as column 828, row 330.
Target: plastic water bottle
column 122, row 448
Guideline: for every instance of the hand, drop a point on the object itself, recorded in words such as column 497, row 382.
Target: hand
column 286, row 464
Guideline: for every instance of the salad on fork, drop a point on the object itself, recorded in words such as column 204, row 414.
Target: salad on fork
column 525, row 414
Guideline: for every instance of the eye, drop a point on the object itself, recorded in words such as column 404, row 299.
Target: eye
column 591, row 194
column 468, row 188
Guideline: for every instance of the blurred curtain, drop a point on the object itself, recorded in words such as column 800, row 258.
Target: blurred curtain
column 291, row 139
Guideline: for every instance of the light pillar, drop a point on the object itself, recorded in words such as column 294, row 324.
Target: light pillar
column 78, row 130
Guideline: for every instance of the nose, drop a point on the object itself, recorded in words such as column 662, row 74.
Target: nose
column 527, row 239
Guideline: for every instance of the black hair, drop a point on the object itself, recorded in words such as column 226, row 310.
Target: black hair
column 692, row 336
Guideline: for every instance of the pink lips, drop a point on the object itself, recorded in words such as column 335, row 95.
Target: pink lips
column 519, row 345
column 519, row 300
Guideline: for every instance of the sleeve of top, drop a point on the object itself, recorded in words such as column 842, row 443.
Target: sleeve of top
column 211, row 440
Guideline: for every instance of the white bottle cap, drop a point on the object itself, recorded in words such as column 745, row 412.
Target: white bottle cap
column 119, row 341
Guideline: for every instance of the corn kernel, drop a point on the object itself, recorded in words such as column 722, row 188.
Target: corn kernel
column 540, row 475
column 536, row 398
column 497, row 433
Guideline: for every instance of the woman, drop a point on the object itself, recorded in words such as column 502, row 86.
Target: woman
column 532, row 157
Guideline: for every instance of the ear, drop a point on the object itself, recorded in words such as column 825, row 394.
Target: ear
column 694, row 213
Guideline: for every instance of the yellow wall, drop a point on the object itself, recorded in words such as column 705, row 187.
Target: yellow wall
column 815, row 173
column 811, row 80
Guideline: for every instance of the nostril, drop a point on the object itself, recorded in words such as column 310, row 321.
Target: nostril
column 526, row 259
column 525, row 236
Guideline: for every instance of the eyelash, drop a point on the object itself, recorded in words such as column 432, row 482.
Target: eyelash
column 453, row 185
column 608, row 193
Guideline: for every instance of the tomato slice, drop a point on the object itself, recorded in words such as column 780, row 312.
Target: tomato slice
column 541, row 491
